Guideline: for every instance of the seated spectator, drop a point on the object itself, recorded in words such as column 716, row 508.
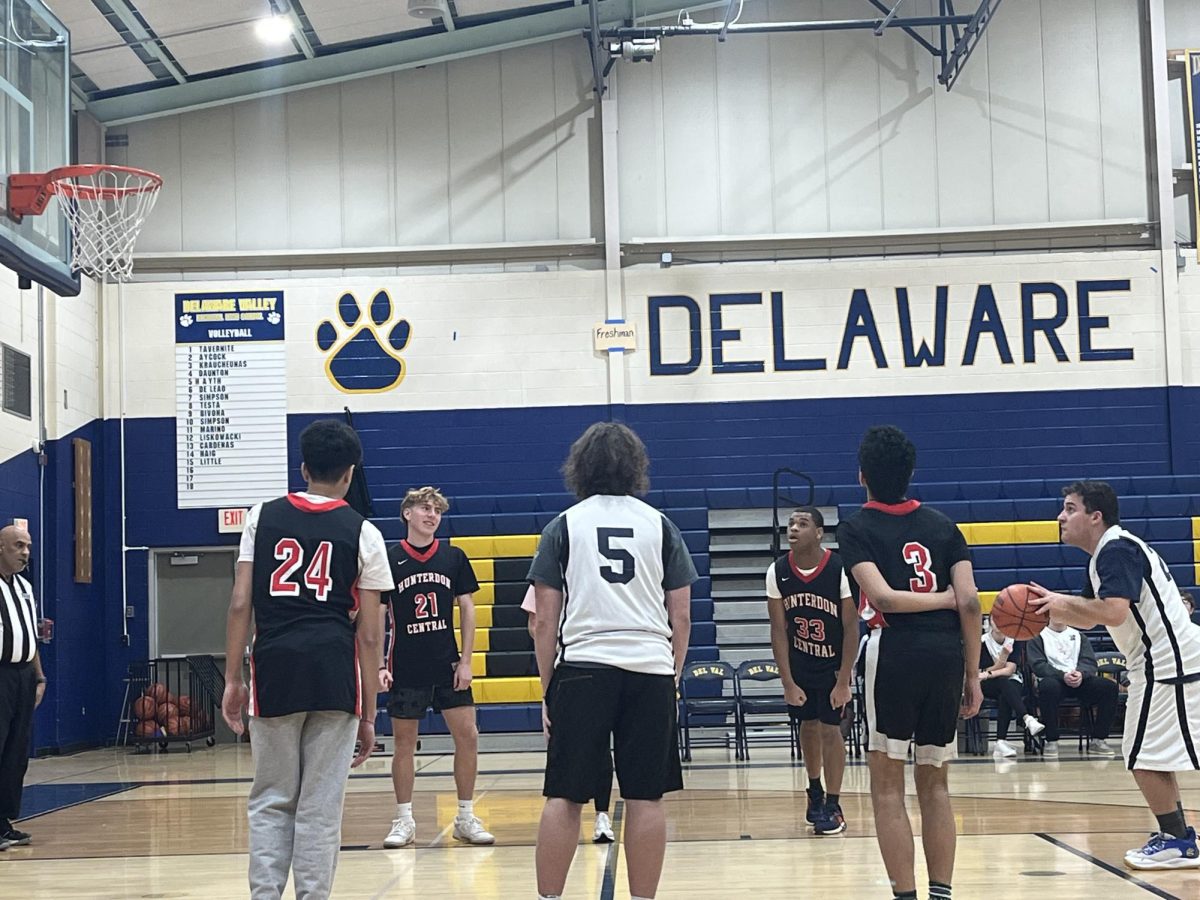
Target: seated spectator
column 1001, row 681
column 1065, row 665
column 1190, row 602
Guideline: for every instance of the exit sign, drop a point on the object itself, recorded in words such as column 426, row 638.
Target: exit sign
column 231, row 521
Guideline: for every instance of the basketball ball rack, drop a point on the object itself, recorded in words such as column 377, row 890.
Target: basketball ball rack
column 105, row 206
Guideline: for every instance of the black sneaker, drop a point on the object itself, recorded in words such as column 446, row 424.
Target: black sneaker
column 832, row 821
column 816, row 809
column 16, row 838
column 3, row 844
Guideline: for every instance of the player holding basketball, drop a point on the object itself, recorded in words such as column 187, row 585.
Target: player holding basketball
column 922, row 654
column 814, row 638
column 423, row 666
column 309, row 573
column 610, row 656
column 1131, row 592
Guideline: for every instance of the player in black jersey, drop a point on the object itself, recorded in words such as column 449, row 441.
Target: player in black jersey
column 310, row 571
column 814, row 636
column 423, row 666
column 922, row 656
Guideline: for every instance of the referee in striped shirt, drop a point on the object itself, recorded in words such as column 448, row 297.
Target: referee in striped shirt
column 22, row 682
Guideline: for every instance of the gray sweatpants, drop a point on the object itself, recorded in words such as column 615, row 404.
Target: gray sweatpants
column 301, row 763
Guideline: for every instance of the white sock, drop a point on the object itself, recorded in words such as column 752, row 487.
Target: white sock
column 466, row 809
column 404, row 810
column 549, row 896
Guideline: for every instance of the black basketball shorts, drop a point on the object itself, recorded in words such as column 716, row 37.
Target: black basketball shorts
column 413, row 702
column 588, row 705
column 914, row 690
column 817, row 687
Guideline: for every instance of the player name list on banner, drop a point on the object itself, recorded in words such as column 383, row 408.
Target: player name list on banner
column 231, row 399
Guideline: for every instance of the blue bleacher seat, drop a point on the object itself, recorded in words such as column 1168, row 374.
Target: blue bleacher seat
column 1183, row 574
column 1176, row 552
column 983, row 490
column 726, row 498
column 473, row 505
column 556, row 502
column 1003, row 557
column 674, row 499
column 763, row 497
column 1036, row 509
column 937, row 492
column 655, row 498
column 1025, row 489
column 1165, row 530
column 468, row 526
column 1047, row 577
column 992, row 511
column 703, row 633
column 1187, row 484
column 993, row 579
column 696, row 541
column 823, row 495
column 1162, row 506
column 702, row 587
column 1032, row 556
column 514, row 523
column 846, row 510
column 516, row 503
column 702, row 654
column 702, row 610
column 848, row 493
column 701, row 562
column 1151, row 484
column 957, row 510
column 543, row 519
column 688, row 519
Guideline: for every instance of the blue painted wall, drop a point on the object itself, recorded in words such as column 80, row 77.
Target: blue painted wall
column 519, row 451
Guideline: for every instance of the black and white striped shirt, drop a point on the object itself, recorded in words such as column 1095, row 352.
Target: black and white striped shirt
column 18, row 621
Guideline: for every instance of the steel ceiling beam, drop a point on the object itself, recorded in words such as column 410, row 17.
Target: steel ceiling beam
column 332, row 68
column 129, row 17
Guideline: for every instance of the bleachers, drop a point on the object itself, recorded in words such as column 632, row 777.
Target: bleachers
column 1010, row 526
column 499, row 534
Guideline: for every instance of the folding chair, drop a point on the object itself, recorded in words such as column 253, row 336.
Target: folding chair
column 761, row 671
column 702, row 695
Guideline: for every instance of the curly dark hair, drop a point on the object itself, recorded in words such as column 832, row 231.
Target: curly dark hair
column 886, row 458
column 608, row 458
column 1097, row 496
column 328, row 448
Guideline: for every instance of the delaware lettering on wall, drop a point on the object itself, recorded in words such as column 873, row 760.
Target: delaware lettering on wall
column 231, row 398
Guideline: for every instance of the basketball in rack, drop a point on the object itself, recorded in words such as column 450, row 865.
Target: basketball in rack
column 106, row 207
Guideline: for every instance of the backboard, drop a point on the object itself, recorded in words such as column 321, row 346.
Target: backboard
column 35, row 136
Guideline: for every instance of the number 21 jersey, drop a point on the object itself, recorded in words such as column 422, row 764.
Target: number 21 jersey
column 422, row 650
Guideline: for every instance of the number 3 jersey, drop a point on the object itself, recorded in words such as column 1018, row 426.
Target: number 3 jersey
column 614, row 557
column 310, row 556
column 422, row 649
column 812, row 609
column 914, row 548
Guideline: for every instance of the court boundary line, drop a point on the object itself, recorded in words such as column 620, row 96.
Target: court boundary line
column 1108, row 867
column 608, row 884
column 121, row 790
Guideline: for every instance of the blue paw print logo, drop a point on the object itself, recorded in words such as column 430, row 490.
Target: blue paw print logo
column 364, row 358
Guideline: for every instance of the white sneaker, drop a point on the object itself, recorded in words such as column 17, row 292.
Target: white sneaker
column 1050, row 750
column 1033, row 726
column 1100, row 747
column 603, row 832
column 471, row 831
column 403, row 833
column 1004, row 748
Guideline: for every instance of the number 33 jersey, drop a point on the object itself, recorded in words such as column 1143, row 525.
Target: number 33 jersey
column 422, row 649
column 614, row 557
column 310, row 555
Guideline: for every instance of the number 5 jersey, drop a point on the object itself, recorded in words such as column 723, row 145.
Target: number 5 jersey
column 614, row 557
column 311, row 554
column 422, row 649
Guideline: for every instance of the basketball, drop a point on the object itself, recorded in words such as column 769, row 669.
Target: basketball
column 146, row 728
column 1012, row 615
column 158, row 692
column 171, row 726
column 144, row 708
column 185, row 725
column 185, row 705
column 166, row 712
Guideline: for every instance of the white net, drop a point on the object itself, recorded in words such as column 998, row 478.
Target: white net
column 106, row 208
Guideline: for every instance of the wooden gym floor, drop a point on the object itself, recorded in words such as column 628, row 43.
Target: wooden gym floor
column 111, row 824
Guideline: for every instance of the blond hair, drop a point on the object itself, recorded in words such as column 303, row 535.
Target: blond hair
column 417, row 496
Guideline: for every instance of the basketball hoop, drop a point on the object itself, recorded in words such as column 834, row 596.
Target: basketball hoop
column 105, row 206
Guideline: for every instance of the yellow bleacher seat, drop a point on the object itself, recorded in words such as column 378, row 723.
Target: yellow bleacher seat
column 475, row 547
column 1196, row 526
column 507, row 690
column 1037, row 533
column 483, row 617
column 978, row 533
column 478, row 665
column 986, row 599
column 485, row 570
column 508, row 545
column 486, row 595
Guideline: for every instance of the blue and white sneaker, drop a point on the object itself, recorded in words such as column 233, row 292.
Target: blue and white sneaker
column 1165, row 851
column 831, row 821
column 816, row 808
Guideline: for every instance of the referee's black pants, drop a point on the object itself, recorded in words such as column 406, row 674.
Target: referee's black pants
column 18, row 694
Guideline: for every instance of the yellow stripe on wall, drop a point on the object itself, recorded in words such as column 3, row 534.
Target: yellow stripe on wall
column 496, row 546
column 507, row 690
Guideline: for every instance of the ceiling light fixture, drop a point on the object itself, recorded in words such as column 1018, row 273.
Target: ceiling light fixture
column 426, row 9
column 273, row 29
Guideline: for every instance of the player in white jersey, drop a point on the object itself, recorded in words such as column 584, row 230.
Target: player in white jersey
column 1130, row 590
column 612, row 581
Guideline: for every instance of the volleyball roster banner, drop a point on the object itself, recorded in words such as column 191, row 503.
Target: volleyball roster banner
column 231, row 399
